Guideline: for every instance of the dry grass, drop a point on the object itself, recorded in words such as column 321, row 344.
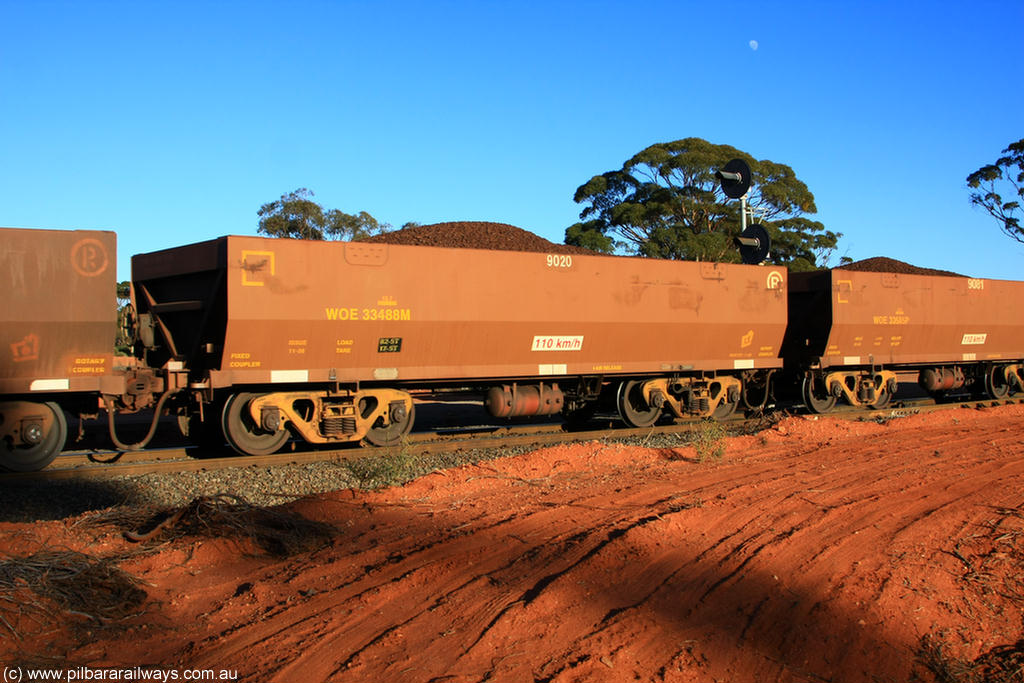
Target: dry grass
column 994, row 556
column 1002, row 664
column 274, row 531
column 40, row 590
column 993, row 562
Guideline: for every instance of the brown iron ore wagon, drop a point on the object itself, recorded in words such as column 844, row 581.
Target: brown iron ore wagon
column 57, row 329
column 853, row 334
column 257, row 341
column 331, row 340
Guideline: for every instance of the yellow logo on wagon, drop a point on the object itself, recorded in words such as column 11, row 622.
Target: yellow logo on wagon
column 255, row 266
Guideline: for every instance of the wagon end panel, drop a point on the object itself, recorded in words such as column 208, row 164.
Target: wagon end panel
column 810, row 318
column 181, row 303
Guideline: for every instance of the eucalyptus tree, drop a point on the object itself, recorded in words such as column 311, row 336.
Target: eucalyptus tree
column 665, row 202
column 999, row 189
column 297, row 216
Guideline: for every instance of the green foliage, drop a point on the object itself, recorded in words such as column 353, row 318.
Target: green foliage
column 125, row 319
column 392, row 468
column 665, row 202
column 1003, row 178
column 590, row 236
column 709, row 441
column 296, row 215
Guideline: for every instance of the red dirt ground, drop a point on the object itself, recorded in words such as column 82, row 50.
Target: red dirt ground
column 818, row 550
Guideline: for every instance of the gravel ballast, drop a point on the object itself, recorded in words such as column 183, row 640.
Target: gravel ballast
column 35, row 500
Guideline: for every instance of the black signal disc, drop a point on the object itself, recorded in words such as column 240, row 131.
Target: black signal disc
column 756, row 252
column 732, row 187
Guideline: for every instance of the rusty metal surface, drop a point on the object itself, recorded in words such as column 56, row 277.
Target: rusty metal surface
column 301, row 311
column 58, row 311
column 853, row 318
column 180, row 298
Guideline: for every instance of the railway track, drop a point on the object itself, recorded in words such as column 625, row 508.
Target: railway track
column 106, row 464
column 114, row 464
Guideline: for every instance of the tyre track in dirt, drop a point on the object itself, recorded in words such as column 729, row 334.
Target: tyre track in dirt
column 817, row 550
column 509, row 579
column 381, row 572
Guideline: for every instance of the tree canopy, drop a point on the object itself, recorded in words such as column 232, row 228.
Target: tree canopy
column 1000, row 189
column 296, row 215
column 665, row 202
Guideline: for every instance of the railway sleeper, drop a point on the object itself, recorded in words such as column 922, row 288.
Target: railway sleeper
column 381, row 416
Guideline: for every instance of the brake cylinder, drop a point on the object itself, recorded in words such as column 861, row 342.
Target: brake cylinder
column 518, row 400
column 941, row 379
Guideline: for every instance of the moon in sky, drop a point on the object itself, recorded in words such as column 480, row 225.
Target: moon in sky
column 753, row 45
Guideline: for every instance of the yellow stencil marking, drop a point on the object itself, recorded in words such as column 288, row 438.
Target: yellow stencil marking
column 252, row 266
column 839, row 291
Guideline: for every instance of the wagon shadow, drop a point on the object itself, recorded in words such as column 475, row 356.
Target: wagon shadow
column 43, row 500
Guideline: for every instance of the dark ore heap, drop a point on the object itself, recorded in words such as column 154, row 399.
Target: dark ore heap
column 475, row 235
column 882, row 264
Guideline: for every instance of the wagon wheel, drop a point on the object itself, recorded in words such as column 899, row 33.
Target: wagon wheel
column 400, row 423
column 885, row 394
column 726, row 407
column 243, row 434
column 633, row 409
column 996, row 385
column 48, row 436
column 816, row 397
column 883, row 399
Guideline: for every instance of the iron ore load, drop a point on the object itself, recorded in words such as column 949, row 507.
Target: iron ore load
column 256, row 342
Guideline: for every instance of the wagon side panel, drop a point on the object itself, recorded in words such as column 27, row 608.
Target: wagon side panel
column 891, row 318
column 312, row 311
column 58, row 317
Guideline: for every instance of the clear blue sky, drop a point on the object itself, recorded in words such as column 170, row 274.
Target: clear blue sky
column 173, row 122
